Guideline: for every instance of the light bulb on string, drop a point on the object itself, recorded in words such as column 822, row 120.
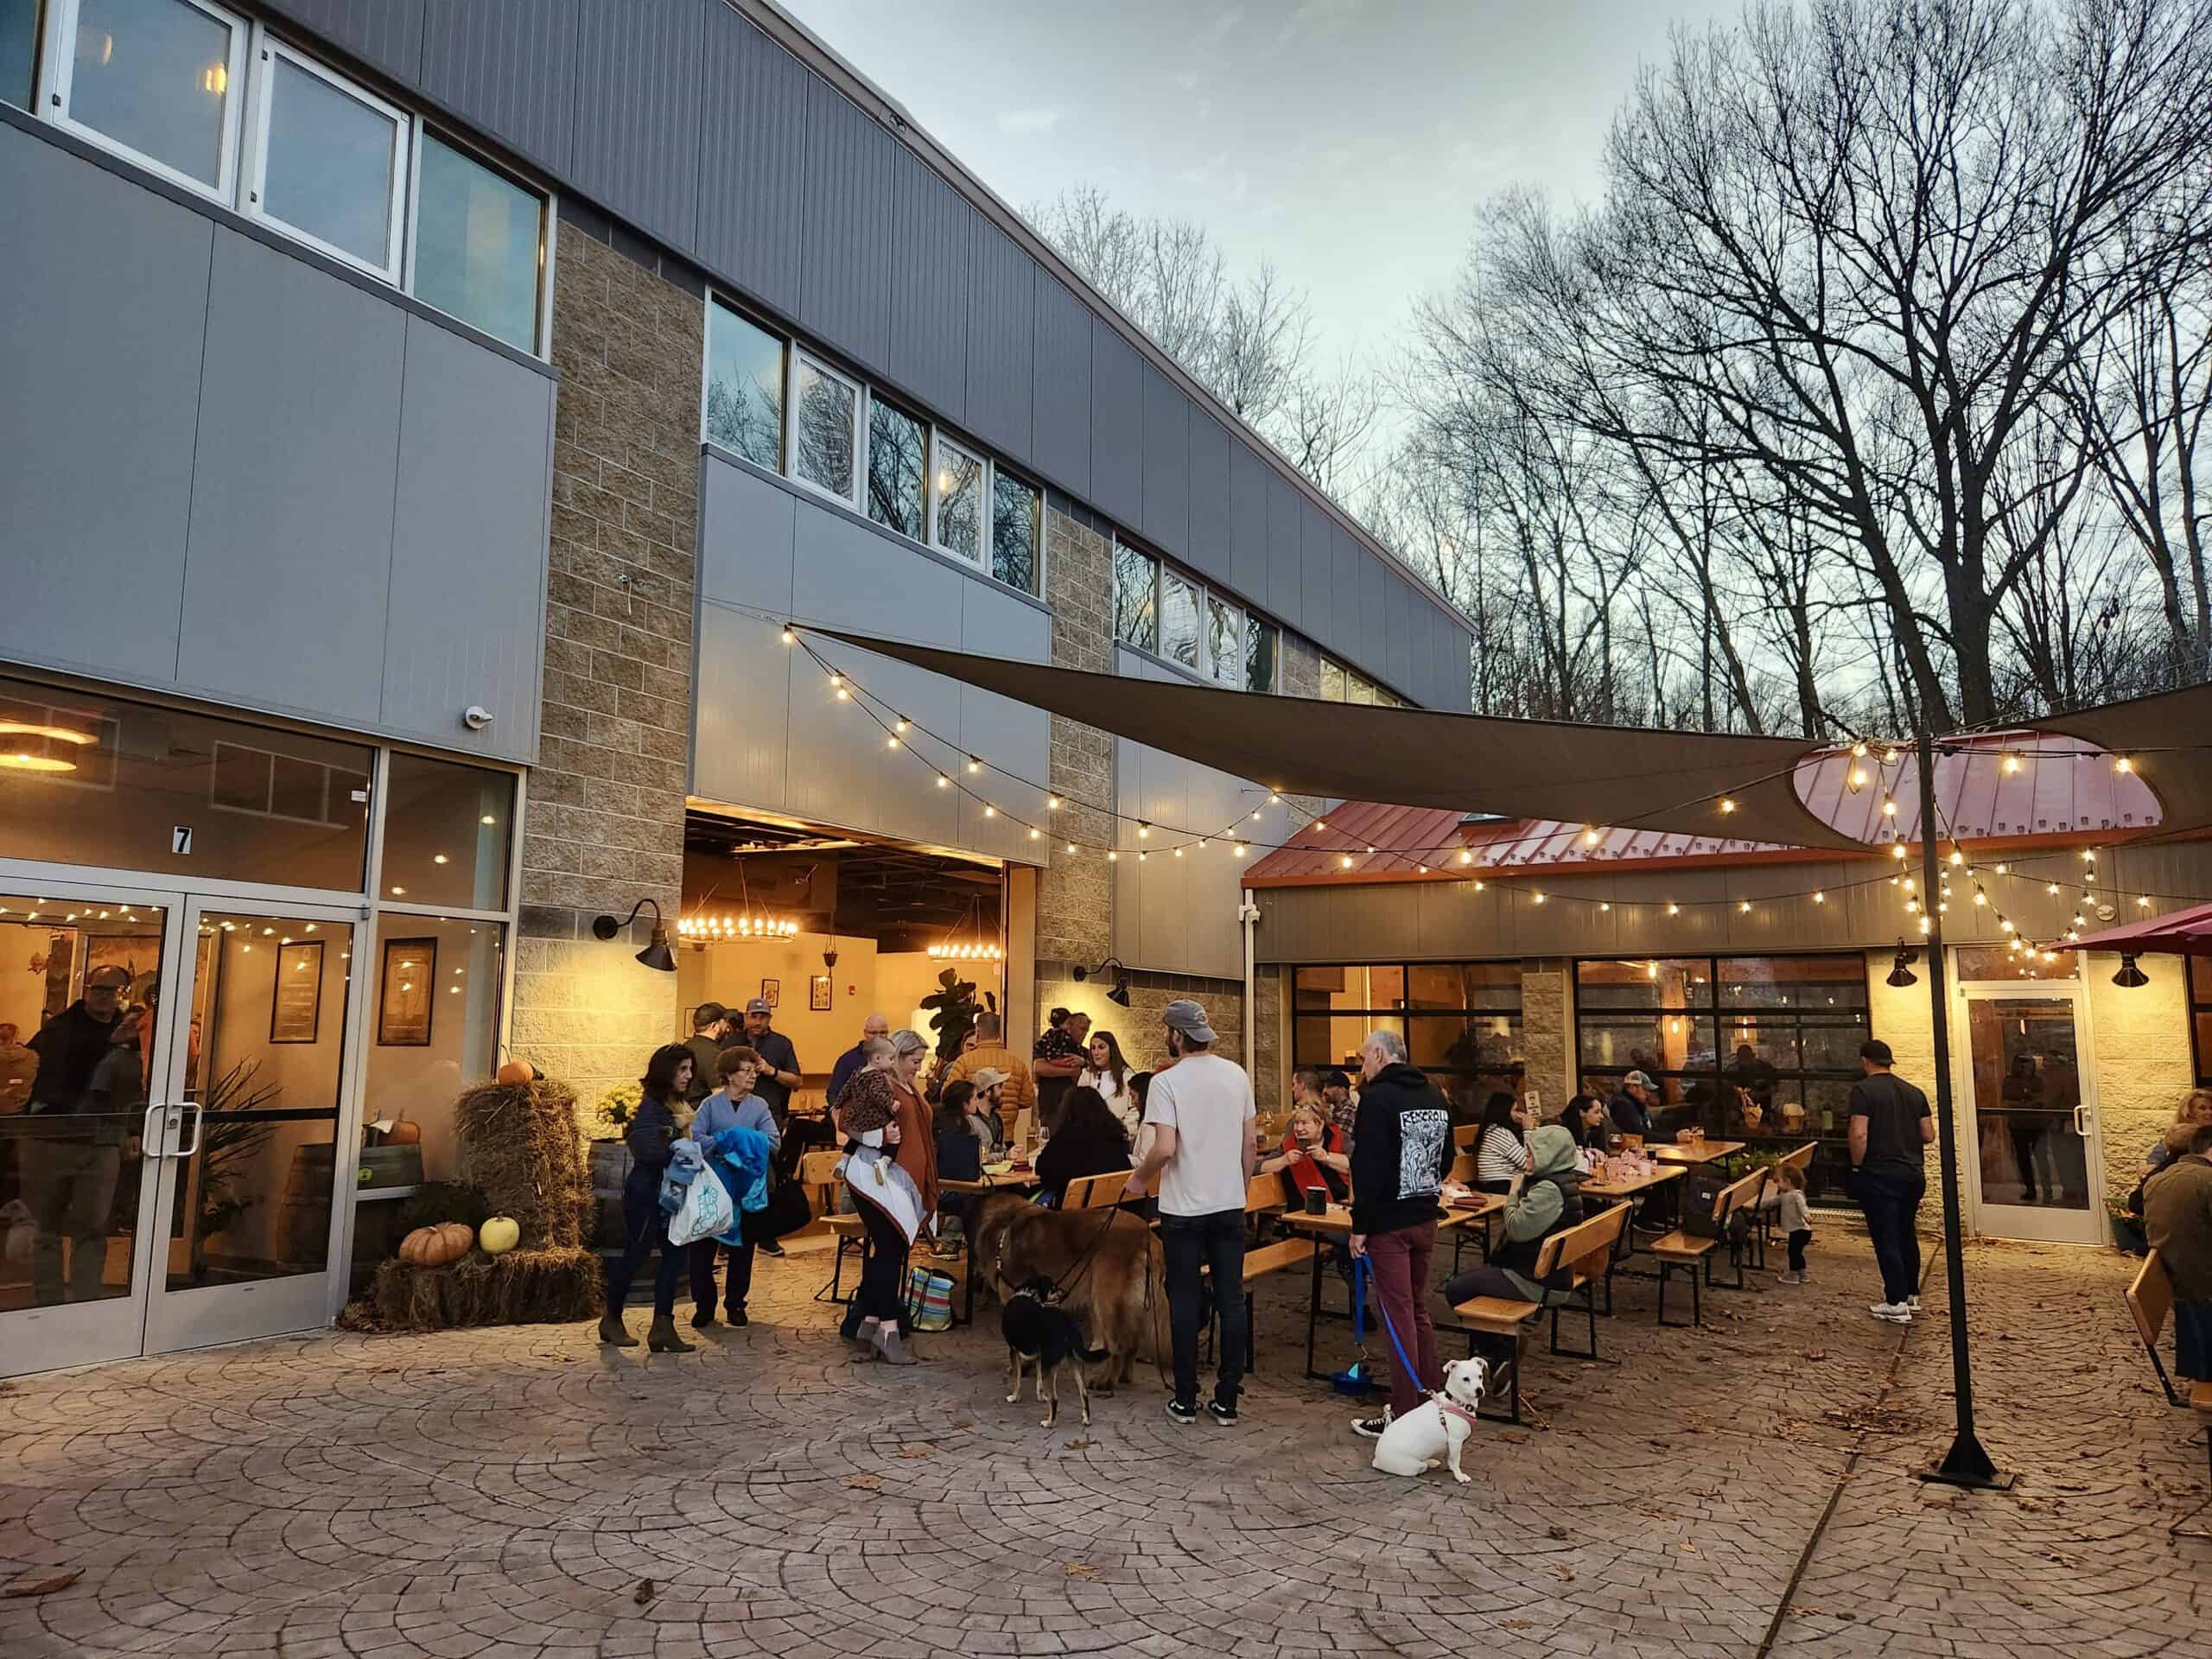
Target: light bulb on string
column 1144, row 829
column 1889, row 808
column 1858, row 751
column 1051, row 803
column 1539, row 897
column 1673, row 909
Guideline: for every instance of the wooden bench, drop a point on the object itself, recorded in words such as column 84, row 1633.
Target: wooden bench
column 2150, row 1302
column 1586, row 1248
column 1096, row 1191
column 818, row 1175
column 1681, row 1250
column 1465, row 1136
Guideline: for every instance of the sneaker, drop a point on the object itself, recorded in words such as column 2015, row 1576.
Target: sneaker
column 1913, row 1302
column 736, row 1316
column 1787, row 1278
column 1181, row 1412
column 1370, row 1428
column 1226, row 1415
column 769, row 1246
column 1895, row 1312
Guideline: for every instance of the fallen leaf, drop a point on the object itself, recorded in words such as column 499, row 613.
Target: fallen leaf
column 917, row 1451
column 44, row 1584
column 1518, row 1623
column 1688, row 1548
column 1080, row 1445
column 1558, row 1533
column 960, row 1422
column 865, row 1482
column 1514, row 1436
column 1081, row 1570
column 1802, row 1610
column 1565, row 1574
column 644, row 1593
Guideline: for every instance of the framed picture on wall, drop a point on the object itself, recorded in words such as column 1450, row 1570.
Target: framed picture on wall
column 771, row 992
column 818, row 993
column 296, row 1004
column 404, row 993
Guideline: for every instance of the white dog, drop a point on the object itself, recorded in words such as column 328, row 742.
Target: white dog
column 1439, row 1428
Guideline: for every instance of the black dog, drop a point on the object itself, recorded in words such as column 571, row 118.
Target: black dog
column 1040, row 1332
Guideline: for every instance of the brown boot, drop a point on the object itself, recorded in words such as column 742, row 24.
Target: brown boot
column 663, row 1340
column 613, row 1331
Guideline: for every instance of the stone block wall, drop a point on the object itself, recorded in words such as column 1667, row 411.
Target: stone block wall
column 1271, row 1037
column 1548, row 1030
column 1075, row 893
column 2143, row 1066
column 605, row 826
column 1137, row 1028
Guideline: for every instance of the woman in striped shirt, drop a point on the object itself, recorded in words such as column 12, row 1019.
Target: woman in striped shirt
column 1502, row 1148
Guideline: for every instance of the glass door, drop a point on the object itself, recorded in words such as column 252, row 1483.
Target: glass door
column 84, row 1099
column 2034, row 1156
column 262, row 1049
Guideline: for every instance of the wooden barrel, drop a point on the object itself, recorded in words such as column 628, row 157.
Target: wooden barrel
column 610, row 1167
column 303, row 1221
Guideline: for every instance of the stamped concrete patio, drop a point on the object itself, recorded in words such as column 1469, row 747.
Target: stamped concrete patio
column 1737, row 1490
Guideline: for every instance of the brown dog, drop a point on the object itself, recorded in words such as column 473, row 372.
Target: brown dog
column 1106, row 1261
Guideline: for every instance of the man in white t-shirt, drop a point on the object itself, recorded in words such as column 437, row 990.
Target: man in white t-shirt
column 1200, row 1110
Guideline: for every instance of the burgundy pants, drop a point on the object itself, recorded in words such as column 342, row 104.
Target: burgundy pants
column 1399, row 1261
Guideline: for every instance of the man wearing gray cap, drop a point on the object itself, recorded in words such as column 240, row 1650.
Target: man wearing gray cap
column 779, row 1072
column 1200, row 1111
column 1630, row 1106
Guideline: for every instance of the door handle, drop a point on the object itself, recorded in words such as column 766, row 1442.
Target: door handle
column 198, row 1112
column 2081, row 1120
column 146, row 1141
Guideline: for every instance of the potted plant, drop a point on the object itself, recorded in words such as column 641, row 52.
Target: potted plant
column 610, row 1158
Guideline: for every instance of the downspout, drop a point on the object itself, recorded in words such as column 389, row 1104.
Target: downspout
column 1248, row 913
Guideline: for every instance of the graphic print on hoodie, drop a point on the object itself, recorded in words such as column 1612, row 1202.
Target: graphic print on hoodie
column 1421, row 1148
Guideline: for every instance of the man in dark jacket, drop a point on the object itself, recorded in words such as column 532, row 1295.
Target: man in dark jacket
column 710, row 1029
column 1400, row 1149
column 1630, row 1106
column 73, row 1155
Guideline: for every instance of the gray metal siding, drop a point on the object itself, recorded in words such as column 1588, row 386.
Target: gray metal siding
column 1398, row 619
column 740, row 718
column 1285, row 552
column 1002, row 336
column 289, row 558
column 386, row 34
column 1209, row 534
column 1116, row 424
column 1317, row 563
column 1166, row 463
column 845, row 295
column 637, row 124
column 1247, row 522
column 745, row 530
column 1345, row 567
column 752, row 118
column 931, row 232
column 103, row 307
column 468, row 542
column 1060, row 398
column 1375, row 584
column 509, row 67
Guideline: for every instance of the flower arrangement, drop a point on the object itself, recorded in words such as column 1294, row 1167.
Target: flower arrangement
column 616, row 1107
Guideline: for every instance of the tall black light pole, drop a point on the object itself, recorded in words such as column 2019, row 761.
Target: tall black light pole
column 1966, row 1464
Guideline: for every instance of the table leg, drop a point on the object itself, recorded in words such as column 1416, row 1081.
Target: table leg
column 1314, row 1311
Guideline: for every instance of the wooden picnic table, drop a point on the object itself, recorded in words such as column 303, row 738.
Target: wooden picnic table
column 1333, row 1226
column 997, row 1177
column 1698, row 1151
column 1634, row 1191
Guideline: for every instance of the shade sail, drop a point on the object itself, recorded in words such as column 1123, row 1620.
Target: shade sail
column 1415, row 757
column 2164, row 738
column 2184, row 932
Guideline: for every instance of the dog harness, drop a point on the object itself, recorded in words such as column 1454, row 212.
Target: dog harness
column 1452, row 1407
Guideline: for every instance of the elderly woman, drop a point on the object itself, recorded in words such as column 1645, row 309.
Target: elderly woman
column 652, row 1129
column 1311, row 1157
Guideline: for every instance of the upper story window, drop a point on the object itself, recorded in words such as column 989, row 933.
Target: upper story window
column 1224, row 641
column 825, row 428
column 898, row 456
column 1178, row 619
column 1136, row 597
column 18, row 51
column 1260, row 655
column 210, row 102
column 1342, row 684
column 957, row 500
column 1017, row 515
column 331, row 161
column 1159, row 609
column 745, row 387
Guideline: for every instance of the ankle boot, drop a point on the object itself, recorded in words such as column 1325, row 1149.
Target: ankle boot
column 663, row 1340
column 613, row 1331
column 892, row 1346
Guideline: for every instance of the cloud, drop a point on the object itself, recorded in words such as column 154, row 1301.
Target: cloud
column 1014, row 123
column 1217, row 174
column 1314, row 16
column 1188, row 80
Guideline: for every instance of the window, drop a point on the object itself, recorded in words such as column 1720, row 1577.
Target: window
column 18, row 51
column 898, row 447
column 957, row 501
column 745, row 388
column 1761, row 1049
column 329, row 163
column 1178, row 621
column 445, row 832
column 1136, row 581
column 1259, row 656
column 459, row 1028
column 1224, row 641
column 1013, row 530
column 480, row 244
column 1333, row 681
column 158, row 79
column 2200, row 1016
column 1461, row 1022
column 825, row 421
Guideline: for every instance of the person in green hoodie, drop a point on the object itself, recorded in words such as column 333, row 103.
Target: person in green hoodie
column 1549, row 1201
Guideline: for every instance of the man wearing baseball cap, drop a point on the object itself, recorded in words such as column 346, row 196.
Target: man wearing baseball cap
column 779, row 1072
column 1200, row 1112
column 1889, row 1124
column 1630, row 1106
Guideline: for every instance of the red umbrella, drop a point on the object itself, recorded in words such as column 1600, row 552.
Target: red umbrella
column 2184, row 932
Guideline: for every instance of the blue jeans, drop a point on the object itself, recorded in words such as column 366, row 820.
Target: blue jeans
column 1891, row 1200
column 644, row 1229
column 1217, row 1241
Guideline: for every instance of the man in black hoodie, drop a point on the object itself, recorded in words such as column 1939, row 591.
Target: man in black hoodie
column 1400, row 1149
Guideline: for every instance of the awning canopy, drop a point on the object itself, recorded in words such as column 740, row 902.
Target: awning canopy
column 2184, row 932
column 1692, row 782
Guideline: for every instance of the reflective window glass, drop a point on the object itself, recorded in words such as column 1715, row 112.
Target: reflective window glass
column 435, row 1009
column 1013, row 530
column 1178, row 621
column 1136, row 581
column 1224, row 641
column 446, row 829
column 959, row 509
column 479, row 243
column 745, row 388
column 1333, row 681
column 18, row 51
column 823, row 408
column 86, row 779
column 897, row 446
column 332, row 165
column 154, row 76
column 1259, row 657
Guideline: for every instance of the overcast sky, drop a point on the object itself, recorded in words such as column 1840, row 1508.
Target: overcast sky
column 1346, row 140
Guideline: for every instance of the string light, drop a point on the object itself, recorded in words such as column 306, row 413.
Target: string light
column 789, row 636
column 1673, row 909
column 1818, row 898
column 2122, row 764
column 1858, row 751
column 2012, row 763
column 1727, row 805
column 1144, row 829
column 1466, row 857
column 1538, row 897
column 900, row 726
column 891, row 742
column 1889, row 810
column 1319, row 823
column 974, row 765
column 1896, row 849
column 1744, row 907
column 990, row 811
column 1589, row 837
column 1051, row 803
column 1957, row 857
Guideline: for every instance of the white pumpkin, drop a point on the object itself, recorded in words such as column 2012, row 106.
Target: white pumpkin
column 499, row 1234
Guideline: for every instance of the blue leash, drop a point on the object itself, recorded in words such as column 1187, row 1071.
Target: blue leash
column 1391, row 1331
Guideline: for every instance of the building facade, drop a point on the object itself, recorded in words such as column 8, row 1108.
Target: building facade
column 441, row 436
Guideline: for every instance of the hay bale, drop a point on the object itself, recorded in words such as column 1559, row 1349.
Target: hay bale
column 523, row 1287
column 519, row 1146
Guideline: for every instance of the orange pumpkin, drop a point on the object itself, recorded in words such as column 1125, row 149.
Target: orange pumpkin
column 515, row 1071
column 404, row 1132
column 439, row 1246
